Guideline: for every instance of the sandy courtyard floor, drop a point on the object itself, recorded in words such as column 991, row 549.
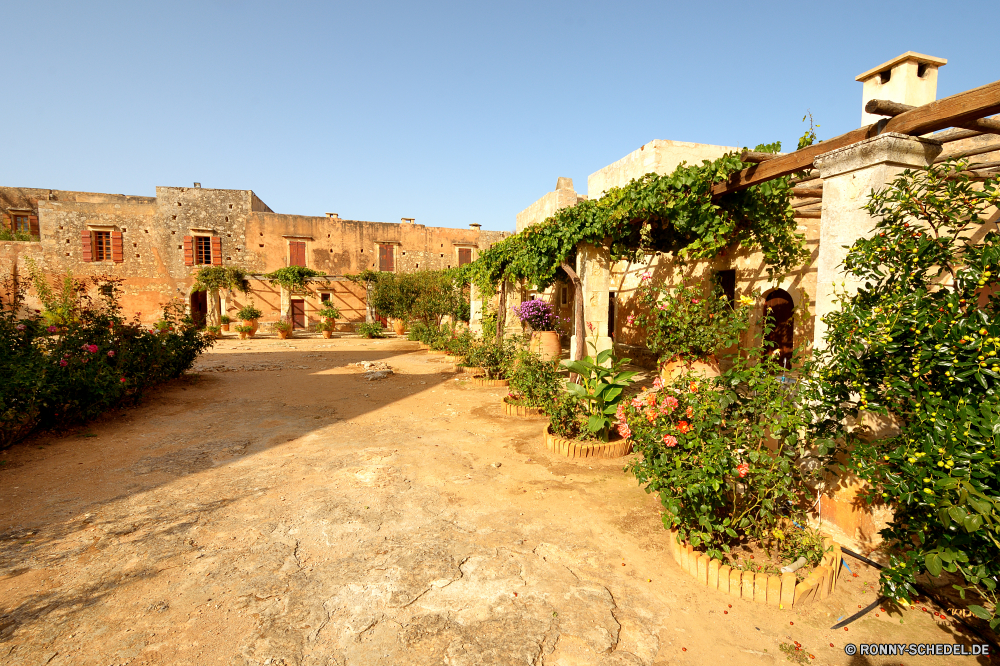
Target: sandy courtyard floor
column 274, row 507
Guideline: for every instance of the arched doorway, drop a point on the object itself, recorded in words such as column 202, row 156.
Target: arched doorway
column 199, row 307
column 780, row 309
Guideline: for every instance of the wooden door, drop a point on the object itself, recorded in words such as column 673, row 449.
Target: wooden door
column 780, row 310
column 385, row 258
column 298, row 313
column 199, row 307
column 297, row 253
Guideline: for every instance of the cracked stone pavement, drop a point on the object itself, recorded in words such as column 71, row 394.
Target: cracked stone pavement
column 287, row 511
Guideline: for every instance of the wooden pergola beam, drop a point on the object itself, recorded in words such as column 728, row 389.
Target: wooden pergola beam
column 881, row 107
column 965, row 109
column 807, row 191
column 751, row 156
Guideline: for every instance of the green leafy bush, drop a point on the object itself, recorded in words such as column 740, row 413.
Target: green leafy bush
column 919, row 343
column 282, row 326
column 534, row 382
column 329, row 312
column 725, row 455
column 686, row 322
column 64, row 367
column 599, row 388
column 370, row 330
column 494, row 356
column 225, row 319
column 249, row 313
column 293, row 278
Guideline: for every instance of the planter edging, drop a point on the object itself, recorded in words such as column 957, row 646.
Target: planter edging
column 572, row 448
column 511, row 409
column 781, row 590
column 490, row 383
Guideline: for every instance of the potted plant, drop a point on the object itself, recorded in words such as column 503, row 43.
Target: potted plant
column 687, row 329
column 244, row 331
column 543, row 322
column 370, row 330
column 249, row 315
column 283, row 327
column 399, row 326
column 330, row 314
column 599, row 388
column 214, row 332
column 225, row 321
column 494, row 357
column 326, row 328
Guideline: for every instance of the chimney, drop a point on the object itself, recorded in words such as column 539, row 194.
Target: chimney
column 907, row 79
column 333, row 216
column 409, row 220
column 198, row 185
column 563, row 183
column 476, row 226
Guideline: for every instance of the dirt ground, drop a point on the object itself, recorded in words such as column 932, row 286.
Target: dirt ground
column 275, row 507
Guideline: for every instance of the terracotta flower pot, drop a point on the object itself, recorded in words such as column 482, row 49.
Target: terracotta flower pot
column 398, row 326
column 327, row 334
column 707, row 367
column 546, row 344
column 252, row 323
column 225, row 327
column 284, row 335
column 243, row 336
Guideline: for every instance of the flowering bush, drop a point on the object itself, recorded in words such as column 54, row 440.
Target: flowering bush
column 56, row 374
column 724, row 454
column 919, row 342
column 536, row 314
column 686, row 323
column 533, row 382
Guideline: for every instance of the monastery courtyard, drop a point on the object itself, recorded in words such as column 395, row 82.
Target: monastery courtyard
column 274, row 506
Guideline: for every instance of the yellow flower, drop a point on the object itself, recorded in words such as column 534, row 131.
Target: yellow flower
column 746, row 300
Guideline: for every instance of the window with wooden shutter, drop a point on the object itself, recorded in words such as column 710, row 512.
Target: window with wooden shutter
column 22, row 225
column 386, row 258
column 464, row 256
column 117, row 251
column 216, row 251
column 189, row 250
column 102, row 245
column 87, row 241
column 202, row 250
column 296, row 253
column 33, row 226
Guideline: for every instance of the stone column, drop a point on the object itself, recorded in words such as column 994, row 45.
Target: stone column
column 593, row 265
column 286, row 304
column 212, row 316
column 849, row 176
column 475, row 310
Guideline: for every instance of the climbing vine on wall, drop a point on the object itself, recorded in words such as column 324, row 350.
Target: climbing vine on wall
column 673, row 213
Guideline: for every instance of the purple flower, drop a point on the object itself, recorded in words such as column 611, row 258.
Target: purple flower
column 21, row 327
column 52, row 329
column 536, row 314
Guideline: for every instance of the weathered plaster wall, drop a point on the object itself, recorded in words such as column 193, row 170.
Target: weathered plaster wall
column 547, row 205
column 658, row 156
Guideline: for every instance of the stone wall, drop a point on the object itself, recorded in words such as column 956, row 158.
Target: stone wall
column 563, row 196
column 658, row 156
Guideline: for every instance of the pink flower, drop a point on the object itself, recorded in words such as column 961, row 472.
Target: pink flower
column 657, row 384
column 631, row 320
column 670, row 440
column 624, row 430
column 20, row 327
column 63, row 362
column 668, row 404
column 636, row 402
column 52, row 329
column 743, row 469
column 122, row 380
column 111, row 354
column 694, row 301
column 620, row 412
column 590, row 326
column 647, row 276
column 92, row 349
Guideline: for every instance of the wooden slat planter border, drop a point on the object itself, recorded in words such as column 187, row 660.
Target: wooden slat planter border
column 572, row 448
column 490, row 383
column 469, row 370
column 511, row 409
column 782, row 590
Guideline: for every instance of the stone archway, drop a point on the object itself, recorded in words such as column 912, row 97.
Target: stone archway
column 780, row 308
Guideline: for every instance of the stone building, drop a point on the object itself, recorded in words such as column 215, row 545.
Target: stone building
column 156, row 244
column 830, row 223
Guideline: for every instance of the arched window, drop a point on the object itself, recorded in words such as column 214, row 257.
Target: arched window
column 780, row 309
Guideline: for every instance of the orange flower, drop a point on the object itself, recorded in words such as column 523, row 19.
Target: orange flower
column 689, row 412
column 683, row 426
column 650, row 415
column 693, row 387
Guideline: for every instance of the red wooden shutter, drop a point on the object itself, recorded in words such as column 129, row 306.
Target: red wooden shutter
column 216, row 251
column 296, row 253
column 464, row 256
column 117, row 250
column 385, row 258
column 189, row 251
column 88, row 245
column 33, row 225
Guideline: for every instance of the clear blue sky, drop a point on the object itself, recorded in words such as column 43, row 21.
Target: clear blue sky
column 447, row 112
